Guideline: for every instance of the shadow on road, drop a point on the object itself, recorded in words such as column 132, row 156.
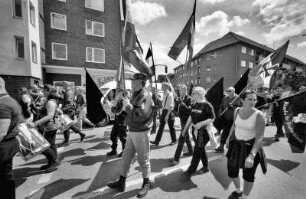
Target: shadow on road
column 267, row 141
column 173, row 182
column 101, row 145
column 206, row 197
column 157, row 165
column 283, row 165
column 21, row 174
column 91, row 160
column 218, row 169
column 52, row 190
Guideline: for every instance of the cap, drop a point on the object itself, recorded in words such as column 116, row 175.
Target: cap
column 139, row 76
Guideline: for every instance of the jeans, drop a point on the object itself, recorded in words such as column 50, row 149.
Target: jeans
column 181, row 143
column 199, row 154
column 155, row 112
column 227, row 124
column 162, row 126
column 137, row 142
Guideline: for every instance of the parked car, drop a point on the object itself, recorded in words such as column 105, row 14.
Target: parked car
column 109, row 94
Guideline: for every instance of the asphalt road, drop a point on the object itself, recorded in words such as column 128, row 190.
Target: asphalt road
column 85, row 170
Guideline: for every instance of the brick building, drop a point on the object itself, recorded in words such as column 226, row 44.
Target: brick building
column 229, row 56
column 20, row 55
column 78, row 34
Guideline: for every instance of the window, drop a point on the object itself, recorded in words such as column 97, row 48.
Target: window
column 94, row 28
column 199, row 80
column 58, row 21
column 19, row 47
column 59, row 51
column 243, row 49
column 32, row 14
column 191, row 65
column 95, row 4
column 251, row 65
column 17, row 8
column 34, row 52
column 198, row 71
column 96, row 55
column 243, row 63
column 62, row 0
column 208, row 68
column 208, row 79
column 251, row 52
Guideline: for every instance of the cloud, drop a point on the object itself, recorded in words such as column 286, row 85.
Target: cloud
column 240, row 33
column 212, row 1
column 218, row 22
column 144, row 12
column 284, row 18
column 301, row 45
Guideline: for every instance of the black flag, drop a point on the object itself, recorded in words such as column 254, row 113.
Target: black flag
column 295, row 121
column 242, row 82
column 95, row 112
column 215, row 95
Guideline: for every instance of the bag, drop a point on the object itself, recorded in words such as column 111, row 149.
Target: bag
column 211, row 129
column 31, row 142
column 65, row 122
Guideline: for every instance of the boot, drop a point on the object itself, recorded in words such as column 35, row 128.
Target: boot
column 52, row 166
column 146, row 186
column 82, row 136
column 66, row 139
column 118, row 185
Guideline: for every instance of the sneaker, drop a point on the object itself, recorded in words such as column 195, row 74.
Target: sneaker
column 43, row 167
column 175, row 162
column 172, row 143
column 187, row 154
column 63, row 144
column 144, row 190
column 120, row 155
column 111, row 153
column 154, row 143
column 235, row 195
column 275, row 139
column 219, row 150
column 204, row 170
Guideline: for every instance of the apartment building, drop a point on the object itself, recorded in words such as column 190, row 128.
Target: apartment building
column 20, row 55
column 79, row 34
column 229, row 57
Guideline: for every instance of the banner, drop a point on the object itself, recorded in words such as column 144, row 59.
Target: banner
column 295, row 121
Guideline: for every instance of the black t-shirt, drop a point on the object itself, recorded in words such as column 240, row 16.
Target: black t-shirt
column 10, row 109
column 202, row 111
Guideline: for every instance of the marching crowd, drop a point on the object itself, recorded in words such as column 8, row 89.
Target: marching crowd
column 242, row 122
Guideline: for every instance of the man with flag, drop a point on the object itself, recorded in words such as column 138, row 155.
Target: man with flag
column 139, row 111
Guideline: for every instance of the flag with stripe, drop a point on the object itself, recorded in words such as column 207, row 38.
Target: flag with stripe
column 186, row 38
column 150, row 60
column 132, row 51
column 95, row 112
column 261, row 74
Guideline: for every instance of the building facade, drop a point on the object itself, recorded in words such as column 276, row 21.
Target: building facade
column 79, row 34
column 20, row 44
column 229, row 57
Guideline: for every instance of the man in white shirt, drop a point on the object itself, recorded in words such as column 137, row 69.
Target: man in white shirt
column 167, row 115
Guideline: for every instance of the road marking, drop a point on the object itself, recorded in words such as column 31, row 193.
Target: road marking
column 153, row 177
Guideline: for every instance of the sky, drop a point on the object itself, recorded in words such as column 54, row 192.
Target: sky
column 269, row 22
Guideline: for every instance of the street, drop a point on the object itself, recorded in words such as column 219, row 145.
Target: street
column 85, row 170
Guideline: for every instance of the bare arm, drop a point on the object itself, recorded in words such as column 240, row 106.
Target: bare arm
column 5, row 124
column 51, row 108
column 185, row 128
column 260, row 129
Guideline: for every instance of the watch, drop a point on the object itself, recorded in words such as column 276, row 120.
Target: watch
column 253, row 154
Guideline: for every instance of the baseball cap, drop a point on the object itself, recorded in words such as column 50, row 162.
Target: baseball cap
column 139, row 76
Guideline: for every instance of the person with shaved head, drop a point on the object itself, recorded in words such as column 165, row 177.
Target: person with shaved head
column 227, row 106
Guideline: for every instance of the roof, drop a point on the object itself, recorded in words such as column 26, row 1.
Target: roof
column 231, row 38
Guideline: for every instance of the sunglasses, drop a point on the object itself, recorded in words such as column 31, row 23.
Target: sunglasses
column 228, row 91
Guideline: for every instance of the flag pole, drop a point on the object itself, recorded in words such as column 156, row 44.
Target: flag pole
column 153, row 66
